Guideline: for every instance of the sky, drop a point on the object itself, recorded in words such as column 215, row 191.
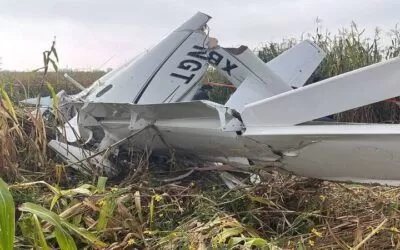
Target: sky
column 98, row 34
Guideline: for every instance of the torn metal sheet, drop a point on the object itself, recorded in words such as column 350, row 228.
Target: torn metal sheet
column 83, row 160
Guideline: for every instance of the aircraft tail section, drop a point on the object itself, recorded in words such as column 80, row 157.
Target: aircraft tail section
column 296, row 65
column 256, row 80
column 166, row 73
column 237, row 64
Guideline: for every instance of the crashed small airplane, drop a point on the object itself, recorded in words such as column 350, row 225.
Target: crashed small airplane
column 268, row 121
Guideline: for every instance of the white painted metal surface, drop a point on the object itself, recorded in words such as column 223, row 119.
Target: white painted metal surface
column 72, row 154
column 292, row 68
column 362, row 153
column 251, row 90
column 297, row 64
column 347, row 91
column 240, row 63
column 164, row 74
column 70, row 130
column 368, row 153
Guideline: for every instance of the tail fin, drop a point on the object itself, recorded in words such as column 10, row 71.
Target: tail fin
column 257, row 81
column 296, row 65
column 167, row 73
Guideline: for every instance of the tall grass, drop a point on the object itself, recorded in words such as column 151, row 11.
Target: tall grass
column 20, row 85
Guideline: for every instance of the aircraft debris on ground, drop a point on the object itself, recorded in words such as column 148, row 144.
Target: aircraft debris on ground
column 269, row 121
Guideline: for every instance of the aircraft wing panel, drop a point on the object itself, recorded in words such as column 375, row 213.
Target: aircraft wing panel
column 354, row 152
column 347, row 91
column 367, row 153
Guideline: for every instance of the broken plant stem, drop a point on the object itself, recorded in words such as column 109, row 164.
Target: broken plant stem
column 375, row 231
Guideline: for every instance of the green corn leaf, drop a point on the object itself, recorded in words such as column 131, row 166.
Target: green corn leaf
column 259, row 243
column 101, row 184
column 151, row 208
column 84, row 189
column 31, row 229
column 261, row 200
column 7, row 218
column 77, row 219
column 56, row 197
column 55, row 190
column 62, row 226
column 58, row 193
column 64, row 239
column 39, row 236
column 25, row 224
column 54, row 98
column 234, row 241
column 84, row 234
column 107, row 210
column 225, row 234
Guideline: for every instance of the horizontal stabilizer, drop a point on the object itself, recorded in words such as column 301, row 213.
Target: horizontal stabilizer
column 337, row 94
column 297, row 64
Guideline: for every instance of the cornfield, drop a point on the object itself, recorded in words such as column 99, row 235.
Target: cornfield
column 156, row 205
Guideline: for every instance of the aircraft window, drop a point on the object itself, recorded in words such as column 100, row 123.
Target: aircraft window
column 104, row 90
